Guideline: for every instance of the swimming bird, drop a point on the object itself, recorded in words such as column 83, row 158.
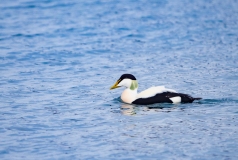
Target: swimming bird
column 158, row 94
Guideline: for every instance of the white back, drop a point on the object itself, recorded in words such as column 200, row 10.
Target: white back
column 150, row 92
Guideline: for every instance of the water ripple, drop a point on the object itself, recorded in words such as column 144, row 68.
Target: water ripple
column 58, row 60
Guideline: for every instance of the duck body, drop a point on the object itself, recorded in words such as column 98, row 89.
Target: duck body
column 158, row 94
column 165, row 97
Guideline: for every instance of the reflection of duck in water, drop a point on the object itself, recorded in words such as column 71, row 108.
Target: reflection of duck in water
column 158, row 94
column 127, row 109
column 130, row 110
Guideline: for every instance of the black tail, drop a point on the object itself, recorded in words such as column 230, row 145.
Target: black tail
column 185, row 98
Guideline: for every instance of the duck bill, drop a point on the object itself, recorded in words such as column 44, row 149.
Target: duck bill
column 115, row 85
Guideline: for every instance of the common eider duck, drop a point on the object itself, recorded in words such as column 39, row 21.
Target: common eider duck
column 158, row 94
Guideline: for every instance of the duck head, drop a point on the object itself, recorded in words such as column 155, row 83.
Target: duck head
column 126, row 80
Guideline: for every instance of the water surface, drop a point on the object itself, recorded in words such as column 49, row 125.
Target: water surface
column 58, row 60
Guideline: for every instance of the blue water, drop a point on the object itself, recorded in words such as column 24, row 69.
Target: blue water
column 58, row 60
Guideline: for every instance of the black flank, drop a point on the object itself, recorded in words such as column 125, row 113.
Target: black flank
column 164, row 98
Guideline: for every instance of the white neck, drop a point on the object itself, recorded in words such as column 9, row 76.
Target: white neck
column 128, row 95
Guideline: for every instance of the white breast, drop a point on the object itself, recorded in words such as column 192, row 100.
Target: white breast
column 128, row 96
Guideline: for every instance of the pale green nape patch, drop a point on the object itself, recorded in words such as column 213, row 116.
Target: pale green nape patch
column 134, row 85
